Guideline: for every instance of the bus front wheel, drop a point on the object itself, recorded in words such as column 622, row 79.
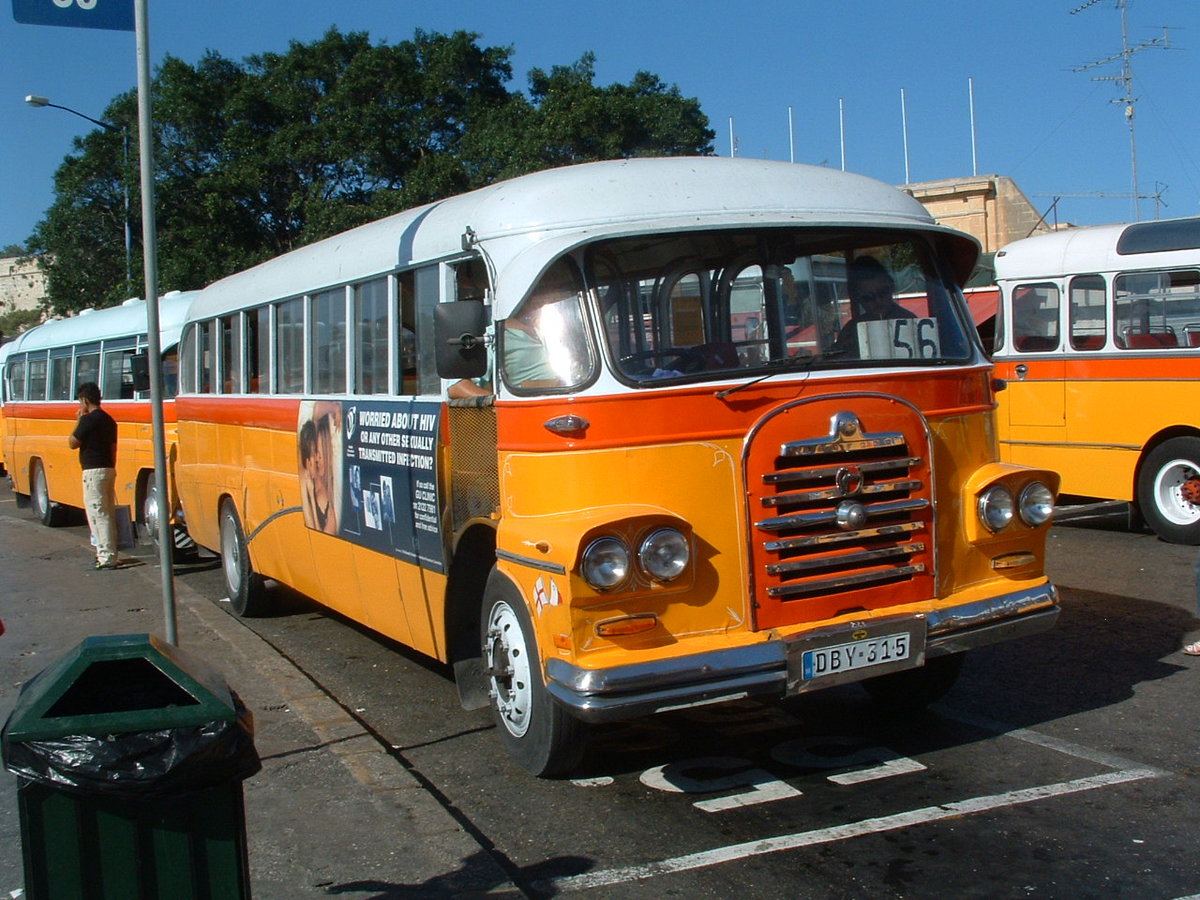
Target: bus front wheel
column 247, row 592
column 1168, row 490
column 542, row 737
column 49, row 512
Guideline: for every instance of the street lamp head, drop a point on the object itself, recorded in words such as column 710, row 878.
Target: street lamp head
column 35, row 100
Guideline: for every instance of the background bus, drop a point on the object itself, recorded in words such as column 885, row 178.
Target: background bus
column 1098, row 338
column 41, row 371
column 4, row 351
column 690, row 476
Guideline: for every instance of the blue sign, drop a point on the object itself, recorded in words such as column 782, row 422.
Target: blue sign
column 115, row 15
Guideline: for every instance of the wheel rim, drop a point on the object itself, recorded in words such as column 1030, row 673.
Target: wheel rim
column 150, row 513
column 41, row 493
column 509, row 677
column 231, row 554
column 1170, row 497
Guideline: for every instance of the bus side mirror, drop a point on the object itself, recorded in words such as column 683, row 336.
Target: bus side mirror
column 459, row 336
column 139, row 364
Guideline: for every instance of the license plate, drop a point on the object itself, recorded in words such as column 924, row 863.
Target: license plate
column 873, row 651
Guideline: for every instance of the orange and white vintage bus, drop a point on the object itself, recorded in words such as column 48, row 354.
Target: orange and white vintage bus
column 602, row 438
column 41, row 372
column 1099, row 342
column 4, row 351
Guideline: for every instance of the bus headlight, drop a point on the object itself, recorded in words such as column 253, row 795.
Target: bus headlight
column 605, row 564
column 996, row 508
column 664, row 554
column 1036, row 505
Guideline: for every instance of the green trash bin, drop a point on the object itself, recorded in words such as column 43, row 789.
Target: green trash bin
column 130, row 756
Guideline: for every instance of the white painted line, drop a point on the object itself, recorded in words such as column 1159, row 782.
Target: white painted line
column 908, row 819
column 1069, row 748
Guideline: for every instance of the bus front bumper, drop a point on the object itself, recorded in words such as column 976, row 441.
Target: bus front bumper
column 639, row 689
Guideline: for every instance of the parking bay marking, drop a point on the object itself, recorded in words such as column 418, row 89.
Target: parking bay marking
column 1124, row 771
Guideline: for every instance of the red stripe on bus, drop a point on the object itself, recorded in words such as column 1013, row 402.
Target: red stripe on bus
column 278, row 413
column 128, row 411
column 696, row 413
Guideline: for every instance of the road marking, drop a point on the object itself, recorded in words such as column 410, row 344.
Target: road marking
column 928, row 814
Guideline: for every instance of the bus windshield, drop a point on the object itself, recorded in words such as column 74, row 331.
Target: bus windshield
column 714, row 304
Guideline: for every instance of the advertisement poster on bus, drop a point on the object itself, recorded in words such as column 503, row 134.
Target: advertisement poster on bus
column 368, row 474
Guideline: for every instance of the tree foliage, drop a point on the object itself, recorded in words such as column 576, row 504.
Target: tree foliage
column 256, row 158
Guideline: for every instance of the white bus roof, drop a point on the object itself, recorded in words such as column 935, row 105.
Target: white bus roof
column 1101, row 248
column 93, row 326
column 524, row 223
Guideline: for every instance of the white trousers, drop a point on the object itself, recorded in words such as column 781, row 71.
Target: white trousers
column 99, row 502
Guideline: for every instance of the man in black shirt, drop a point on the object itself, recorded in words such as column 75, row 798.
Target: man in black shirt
column 95, row 437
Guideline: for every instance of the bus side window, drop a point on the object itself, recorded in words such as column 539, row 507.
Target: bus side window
column 87, row 368
column 16, row 379
column 37, row 376
column 289, row 346
column 1035, row 317
column 1088, row 322
column 371, row 344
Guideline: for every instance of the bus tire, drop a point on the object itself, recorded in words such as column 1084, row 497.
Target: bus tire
column 49, row 512
column 1169, row 476
column 247, row 590
column 911, row 690
column 183, row 547
column 541, row 736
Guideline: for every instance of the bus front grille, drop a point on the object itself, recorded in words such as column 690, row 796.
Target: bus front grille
column 841, row 521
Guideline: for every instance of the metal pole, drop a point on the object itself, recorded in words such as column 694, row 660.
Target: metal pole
column 904, row 129
column 166, row 544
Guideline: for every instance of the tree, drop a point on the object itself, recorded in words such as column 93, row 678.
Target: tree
column 256, row 158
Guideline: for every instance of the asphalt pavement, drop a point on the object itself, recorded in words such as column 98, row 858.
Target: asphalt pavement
column 334, row 811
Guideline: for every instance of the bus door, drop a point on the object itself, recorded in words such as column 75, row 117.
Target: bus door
column 1034, row 367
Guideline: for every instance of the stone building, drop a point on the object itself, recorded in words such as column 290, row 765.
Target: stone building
column 22, row 284
column 990, row 207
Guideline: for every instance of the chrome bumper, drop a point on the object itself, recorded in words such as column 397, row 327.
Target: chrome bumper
column 623, row 692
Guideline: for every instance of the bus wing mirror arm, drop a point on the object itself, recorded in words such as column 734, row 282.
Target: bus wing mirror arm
column 460, row 339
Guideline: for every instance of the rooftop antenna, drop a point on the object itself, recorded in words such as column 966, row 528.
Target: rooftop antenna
column 971, row 103
column 1125, row 81
column 791, row 137
column 842, row 129
column 904, row 129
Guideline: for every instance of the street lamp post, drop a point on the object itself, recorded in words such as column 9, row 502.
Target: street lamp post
column 38, row 101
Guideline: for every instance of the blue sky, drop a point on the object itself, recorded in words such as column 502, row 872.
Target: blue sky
column 1056, row 131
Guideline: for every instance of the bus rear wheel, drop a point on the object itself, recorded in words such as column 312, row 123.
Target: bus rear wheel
column 1168, row 490
column 247, row 590
column 183, row 548
column 49, row 512
column 541, row 736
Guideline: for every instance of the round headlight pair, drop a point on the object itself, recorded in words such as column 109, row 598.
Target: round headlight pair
column 997, row 506
column 663, row 555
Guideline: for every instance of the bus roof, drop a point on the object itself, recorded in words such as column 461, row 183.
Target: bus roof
column 1101, row 248
column 524, row 223
column 93, row 326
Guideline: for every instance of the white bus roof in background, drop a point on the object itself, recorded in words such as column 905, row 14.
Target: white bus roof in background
column 93, row 326
column 1102, row 248
column 524, row 223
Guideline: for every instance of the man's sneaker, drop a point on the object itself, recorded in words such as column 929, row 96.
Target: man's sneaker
column 108, row 565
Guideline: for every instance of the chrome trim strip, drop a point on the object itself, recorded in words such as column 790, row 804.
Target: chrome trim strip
column 803, row 520
column 624, row 692
column 540, row 564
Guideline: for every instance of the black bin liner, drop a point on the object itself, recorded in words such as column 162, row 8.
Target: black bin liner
column 130, row 716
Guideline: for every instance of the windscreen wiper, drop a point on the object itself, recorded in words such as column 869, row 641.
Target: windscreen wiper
column 787, row 364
